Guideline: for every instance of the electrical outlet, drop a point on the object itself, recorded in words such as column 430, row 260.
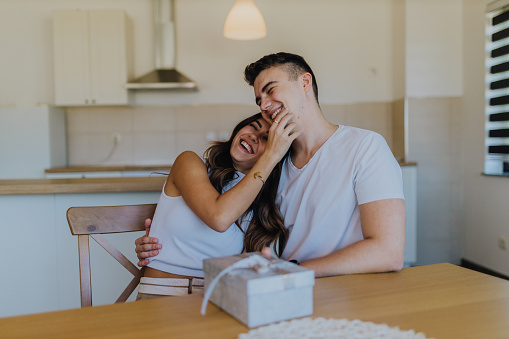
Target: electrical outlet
column 210, row 136
column 224, row 136
column 116, row 137
column 502, row 243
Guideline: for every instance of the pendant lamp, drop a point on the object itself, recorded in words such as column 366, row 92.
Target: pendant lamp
column 244, row 22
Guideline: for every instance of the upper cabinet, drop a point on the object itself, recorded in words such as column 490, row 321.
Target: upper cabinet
column 92, row 57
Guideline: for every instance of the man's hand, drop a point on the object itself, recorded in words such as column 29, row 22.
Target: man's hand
column 267, row 253
column 146, row 246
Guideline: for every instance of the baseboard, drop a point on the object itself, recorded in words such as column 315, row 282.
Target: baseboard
column 473, row 266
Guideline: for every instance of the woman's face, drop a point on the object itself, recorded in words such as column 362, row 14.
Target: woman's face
column 249, row 144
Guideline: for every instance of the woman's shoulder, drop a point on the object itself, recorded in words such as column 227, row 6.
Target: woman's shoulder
column 188, row 156
column 187, row 160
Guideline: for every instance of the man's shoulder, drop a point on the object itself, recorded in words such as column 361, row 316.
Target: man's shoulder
column 357, row 131
column 350, row 134
column 354, row 143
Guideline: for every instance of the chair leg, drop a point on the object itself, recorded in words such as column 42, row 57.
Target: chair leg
column 85, row 276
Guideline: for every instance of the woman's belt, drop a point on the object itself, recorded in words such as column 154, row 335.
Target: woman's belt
column 169, row 286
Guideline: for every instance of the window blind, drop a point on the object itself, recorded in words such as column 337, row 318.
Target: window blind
column 497, row 89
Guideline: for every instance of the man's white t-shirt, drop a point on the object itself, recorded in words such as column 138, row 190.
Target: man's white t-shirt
column 320, row 202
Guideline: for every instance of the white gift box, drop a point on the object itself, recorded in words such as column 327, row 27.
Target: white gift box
column 273, row 291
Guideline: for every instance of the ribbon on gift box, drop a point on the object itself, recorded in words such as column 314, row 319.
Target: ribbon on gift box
column 257, row 262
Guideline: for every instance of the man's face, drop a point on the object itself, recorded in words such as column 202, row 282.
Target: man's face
column 274, row 93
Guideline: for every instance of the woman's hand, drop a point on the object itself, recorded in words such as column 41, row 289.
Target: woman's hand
column 146, row 246
column 281, row 135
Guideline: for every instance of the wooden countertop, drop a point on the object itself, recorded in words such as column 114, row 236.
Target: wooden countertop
column 160, row 168
column 72, row 169
column 82, row 185
column 94, row 185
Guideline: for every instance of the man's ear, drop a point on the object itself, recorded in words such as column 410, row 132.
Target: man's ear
column 307, row 81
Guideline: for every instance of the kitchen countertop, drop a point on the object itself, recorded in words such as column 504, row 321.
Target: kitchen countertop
column 82, row 185
column 94, row 185
column 156, row 168
column 72, row 169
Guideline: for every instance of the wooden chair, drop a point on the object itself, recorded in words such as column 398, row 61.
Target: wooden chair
column 97, row 220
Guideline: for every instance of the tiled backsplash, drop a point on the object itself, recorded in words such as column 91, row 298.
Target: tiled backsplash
column 152, row 135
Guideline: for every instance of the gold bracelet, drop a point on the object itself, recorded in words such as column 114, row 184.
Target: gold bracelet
column 258, row 176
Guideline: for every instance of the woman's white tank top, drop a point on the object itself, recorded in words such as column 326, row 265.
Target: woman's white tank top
column 187, row 240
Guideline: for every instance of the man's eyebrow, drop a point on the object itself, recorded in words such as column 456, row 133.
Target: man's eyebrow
column 267, row 85
column 259, row 124
column 264, row 89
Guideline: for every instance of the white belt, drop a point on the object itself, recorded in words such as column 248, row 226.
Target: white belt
column 169, row 286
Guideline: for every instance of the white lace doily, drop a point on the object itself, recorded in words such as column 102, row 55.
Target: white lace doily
column 321, row 328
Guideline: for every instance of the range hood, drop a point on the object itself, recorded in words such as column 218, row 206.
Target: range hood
column 165, row 75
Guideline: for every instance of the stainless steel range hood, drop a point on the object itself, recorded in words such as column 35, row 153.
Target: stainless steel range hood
column 165, row 75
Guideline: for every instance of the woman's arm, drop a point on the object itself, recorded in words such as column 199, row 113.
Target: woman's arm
column 189, row 178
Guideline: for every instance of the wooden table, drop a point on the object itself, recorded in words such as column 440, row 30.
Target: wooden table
column 443, row 301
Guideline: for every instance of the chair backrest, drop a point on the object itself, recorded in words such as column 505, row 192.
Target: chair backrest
column 96, row 220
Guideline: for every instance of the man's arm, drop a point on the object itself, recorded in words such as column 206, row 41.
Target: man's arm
column 146, row 246
column 383, row 227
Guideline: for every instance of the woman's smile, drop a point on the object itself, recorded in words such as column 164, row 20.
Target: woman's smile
column 246, row 146
column 249, row 144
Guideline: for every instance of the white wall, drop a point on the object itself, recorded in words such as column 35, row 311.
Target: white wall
column 399, row 49
column 434, row 48
column 485, row 198
column 348, row 42
column 31, row 139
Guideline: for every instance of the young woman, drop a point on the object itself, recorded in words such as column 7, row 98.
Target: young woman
column 217, row 207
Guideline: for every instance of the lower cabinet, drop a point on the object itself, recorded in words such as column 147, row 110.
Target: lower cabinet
column 41, row 255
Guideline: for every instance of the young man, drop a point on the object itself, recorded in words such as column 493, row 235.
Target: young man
column 340, row 192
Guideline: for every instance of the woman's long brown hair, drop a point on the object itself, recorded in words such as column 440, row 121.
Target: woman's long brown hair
column 266, row 227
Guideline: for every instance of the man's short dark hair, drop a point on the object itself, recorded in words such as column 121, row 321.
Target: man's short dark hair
column 294, row 65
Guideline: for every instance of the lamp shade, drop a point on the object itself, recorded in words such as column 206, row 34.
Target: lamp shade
column 244, row 22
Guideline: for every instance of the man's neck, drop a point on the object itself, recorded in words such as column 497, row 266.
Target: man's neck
column 315, row 131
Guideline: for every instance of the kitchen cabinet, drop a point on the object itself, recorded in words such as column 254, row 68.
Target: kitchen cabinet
column 92, row 57
column 42, row 254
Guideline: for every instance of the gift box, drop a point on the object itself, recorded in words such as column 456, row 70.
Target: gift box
column 266, row 291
